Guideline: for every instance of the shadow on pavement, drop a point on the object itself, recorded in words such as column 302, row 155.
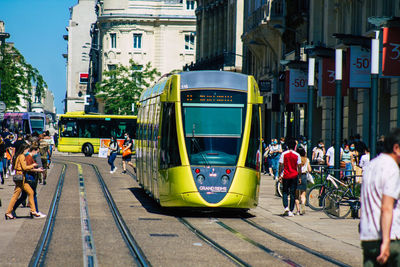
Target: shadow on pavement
column 153, row 207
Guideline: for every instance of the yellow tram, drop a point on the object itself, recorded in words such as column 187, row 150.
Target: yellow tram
column 198, row 140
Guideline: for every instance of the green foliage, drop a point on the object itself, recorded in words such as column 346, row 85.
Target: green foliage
column 122, row 86
column 17, row 78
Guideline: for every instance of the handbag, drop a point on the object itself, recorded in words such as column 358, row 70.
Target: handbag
column 310, row 178
column 18, row 178
column 127, row 152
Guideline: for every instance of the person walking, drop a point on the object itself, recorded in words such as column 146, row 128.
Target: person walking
column 44, row 153
column 113, row 149
column 364, row 161
column 20, row 167
column 290, row 172
column 31, row 177
column 330, row 156
column 380, row 213
column 302, row 182
column 318, row 154
column 275, row 151
column 347, row 161
column 128, row 147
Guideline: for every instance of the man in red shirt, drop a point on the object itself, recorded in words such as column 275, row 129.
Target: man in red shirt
column 289, row 173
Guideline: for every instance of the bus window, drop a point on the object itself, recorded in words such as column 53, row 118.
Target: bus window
column 104, row 129
column 68, row 129
column 88, row 129
column 120, row 129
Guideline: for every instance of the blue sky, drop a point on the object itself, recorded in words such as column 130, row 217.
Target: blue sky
column 37, row 28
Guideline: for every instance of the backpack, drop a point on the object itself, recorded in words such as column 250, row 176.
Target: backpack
column 43, row 148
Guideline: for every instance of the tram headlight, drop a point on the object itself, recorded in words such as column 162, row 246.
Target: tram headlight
column 200, row 178
column 225, row 179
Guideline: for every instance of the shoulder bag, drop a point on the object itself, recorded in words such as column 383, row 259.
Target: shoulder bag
column 127, row 152
column 18, row 177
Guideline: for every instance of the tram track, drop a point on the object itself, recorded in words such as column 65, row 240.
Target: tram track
column 295, row 244
column 39, row 256
column 241, row 262
column 126, row 234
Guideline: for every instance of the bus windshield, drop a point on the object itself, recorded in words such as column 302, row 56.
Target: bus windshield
column 37, row 124
column 213, row 122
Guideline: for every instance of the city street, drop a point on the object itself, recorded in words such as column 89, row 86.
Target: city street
column 258, row 238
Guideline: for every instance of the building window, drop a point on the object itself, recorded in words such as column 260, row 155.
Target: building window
column 189, row 41
column 190, row 4
column 111, row 67
column 113, row 37
column 137, row 40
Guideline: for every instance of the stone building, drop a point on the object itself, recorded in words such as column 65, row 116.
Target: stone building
column 219, row 31
column 348, row 24
column 78, row 37
column 280, row 35
column 160, row 32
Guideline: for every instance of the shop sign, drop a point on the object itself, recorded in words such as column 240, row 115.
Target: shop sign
column 296, row 86
column 360, row 67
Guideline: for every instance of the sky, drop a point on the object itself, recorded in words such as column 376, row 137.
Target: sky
column 36, row 28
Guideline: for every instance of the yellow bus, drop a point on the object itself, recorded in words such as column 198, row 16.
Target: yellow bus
column 80, row 132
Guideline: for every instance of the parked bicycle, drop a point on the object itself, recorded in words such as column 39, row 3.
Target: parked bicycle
column 340, row 201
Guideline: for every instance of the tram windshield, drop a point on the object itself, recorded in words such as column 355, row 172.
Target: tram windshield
column 213, row 132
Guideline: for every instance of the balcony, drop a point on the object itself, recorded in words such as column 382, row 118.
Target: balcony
column 271, row 11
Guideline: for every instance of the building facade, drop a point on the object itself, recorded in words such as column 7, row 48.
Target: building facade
column 79, row 43
column 160, row 32
column 348, row 25
column 219, row 31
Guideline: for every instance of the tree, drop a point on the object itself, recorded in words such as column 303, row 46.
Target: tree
column 17, row 78
column 123, row 85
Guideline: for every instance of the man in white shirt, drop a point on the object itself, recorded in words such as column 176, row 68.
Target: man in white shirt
column 380, row 212
column 330, row 156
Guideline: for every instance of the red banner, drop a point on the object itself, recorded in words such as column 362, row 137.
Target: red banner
column 391, row 52
column 328, row 77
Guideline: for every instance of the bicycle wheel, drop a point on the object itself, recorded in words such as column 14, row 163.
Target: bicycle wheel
column 279, row 188
column 315, row 196
column 336, row 204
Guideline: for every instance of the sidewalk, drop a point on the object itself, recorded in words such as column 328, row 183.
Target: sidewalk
column 337, row 238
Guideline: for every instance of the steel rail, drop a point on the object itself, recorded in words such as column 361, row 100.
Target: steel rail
column 130, row 241
column 260, row 246
column 212, row 243
column 40, row 252
column 296, row 244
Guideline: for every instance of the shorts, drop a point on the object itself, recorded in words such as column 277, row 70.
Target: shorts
column 127, row 158
column 303, row 185
column 44, row 163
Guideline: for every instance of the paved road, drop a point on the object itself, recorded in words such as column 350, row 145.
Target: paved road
column 164, row 240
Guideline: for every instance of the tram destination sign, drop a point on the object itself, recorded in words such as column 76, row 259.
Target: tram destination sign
column 213, row 96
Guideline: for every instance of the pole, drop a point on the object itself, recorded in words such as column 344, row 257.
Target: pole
column 374, row 92
column 338, row 107
column 310, row 105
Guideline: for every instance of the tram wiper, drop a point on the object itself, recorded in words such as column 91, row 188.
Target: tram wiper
column 197, row 145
